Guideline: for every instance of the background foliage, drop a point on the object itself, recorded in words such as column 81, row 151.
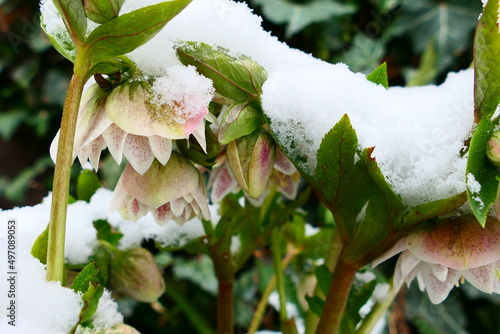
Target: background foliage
column 420, row 40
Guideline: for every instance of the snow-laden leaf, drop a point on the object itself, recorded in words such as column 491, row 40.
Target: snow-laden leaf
column 298, row 16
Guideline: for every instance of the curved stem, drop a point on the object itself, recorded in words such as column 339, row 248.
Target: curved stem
column 259, row 311
column 336, row 299
column 377, row 312
column 331, row 259
column 60, row 189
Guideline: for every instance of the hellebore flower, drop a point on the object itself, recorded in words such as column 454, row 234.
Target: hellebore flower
column 175, row 191
column 131, row 121
column 444, row 253
column 284, row 176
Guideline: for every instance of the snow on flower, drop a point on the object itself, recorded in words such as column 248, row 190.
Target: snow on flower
column 175, row 191
column 443, row 254
column 139, row 120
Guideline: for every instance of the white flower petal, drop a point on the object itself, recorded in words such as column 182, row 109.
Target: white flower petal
column 115, row 138
column 138, row 152
column 482, row 277
column 199, row 134
column 440, row 271
column 397, row 248
column 436, row 289
column 96, row 146
column 408, row 262
column 161, row 147
column 177, row 206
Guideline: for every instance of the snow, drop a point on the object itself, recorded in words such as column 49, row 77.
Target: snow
column 417, row 132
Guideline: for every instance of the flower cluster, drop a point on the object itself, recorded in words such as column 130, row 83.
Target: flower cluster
column 443, row 254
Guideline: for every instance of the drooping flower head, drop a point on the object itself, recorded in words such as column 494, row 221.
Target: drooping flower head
column 442, row 254
column 139, row 119
column 175, row 191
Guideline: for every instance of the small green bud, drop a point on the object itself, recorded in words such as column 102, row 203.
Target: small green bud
column 493, row 149
column 101, row 11
column 251, row 159
column 135, row 273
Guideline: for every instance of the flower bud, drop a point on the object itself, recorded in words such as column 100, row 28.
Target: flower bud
column 251, row 159
column 135, row 273
column 493, row 149
column 101, row 11
column 122, row 329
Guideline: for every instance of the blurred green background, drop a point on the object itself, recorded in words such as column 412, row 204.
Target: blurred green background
column 421, row 40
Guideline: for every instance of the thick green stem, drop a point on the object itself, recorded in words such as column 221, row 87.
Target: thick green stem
column 377, row 312
column 336, row 299
column 60, row 189
column 225, row 307
column 221, row 258
column 331, row 259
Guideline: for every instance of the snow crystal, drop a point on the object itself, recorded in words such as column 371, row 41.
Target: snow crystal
column 366, row 276
column 472, row 184
column 106, row 315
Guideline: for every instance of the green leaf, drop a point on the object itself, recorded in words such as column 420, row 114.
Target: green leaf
column 10, row 121
column 86, row 276
column 427, row 69
column 107, row 233
column 316, row 304
column 486, row 66
column 481, row 170
column 433, row 209
column 239, row 120
column 74, row 18
column 364, row 53
column 86, row 185
column 39, row 248
column 298, row 16
column 87, row 283
column 336, row 161
column 379, row 75
column 129, row 31
column 361, row 292
column 235, row 77
column 448, row 23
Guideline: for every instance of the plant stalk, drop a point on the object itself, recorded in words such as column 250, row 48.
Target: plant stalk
column 60, row 188
column 336, row 299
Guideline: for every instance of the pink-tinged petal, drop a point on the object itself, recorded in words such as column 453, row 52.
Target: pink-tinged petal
column 436, row 289
column 200, row 199
column 163, row 214
column 482, row 277
column 222, row 183
column 138, row 152
column 257, row 202
column 162, row 184
column 129, row 106
column 177, row 206
column 496, row 281
column 161, row 147
column 96, row 147
column 283, row 164
column 458, row 243
column 115, row 138
column 119, row 195
column 440, row 271
column 261, row 165
column 199, row 135
column 288, row 185
column 408, row 262
column 92, row 120
column 238, row 163
column 396, row 249
column 134, row 210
